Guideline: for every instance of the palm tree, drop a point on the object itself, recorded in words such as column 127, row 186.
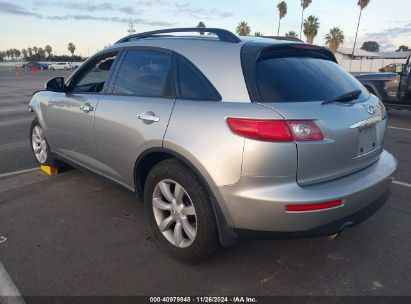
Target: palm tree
column 291, row 34
column 71, row 47
column 258, row 34
column 41, row 53
column 30, row 51
column 201, row 25
column 311, row 26
column 334, row 38
column 362, row 4
column 304, row 5
column 243, row 29
column 35, row 51
column 48, row 49
column 282, row 11
column 24, row 52
column 17, row 53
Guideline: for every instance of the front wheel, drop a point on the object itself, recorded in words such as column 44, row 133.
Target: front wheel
column 179, row 211
column 39, row 144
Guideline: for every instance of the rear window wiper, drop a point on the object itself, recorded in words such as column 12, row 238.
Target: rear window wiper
column 344, row 98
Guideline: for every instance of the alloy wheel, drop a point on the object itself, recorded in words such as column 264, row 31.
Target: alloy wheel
column 174, row 213
column 39, row 144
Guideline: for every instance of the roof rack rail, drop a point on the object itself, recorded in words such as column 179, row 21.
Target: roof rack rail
column 222, row 34
column 283, row 38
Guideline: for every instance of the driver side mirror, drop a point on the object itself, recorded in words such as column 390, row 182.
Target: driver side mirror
column 56, row 85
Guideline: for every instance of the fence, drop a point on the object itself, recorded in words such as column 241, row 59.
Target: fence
column 367, row 65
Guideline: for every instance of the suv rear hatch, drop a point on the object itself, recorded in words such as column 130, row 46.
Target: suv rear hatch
column 295, row 81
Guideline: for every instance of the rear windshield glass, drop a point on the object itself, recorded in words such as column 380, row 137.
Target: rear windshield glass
column 292, row 79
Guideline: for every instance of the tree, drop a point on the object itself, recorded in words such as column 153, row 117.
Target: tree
column 41, row 53
column 24, row 52
column 282, row 11
column 311, row 26
column 371, row 46
column 304, row 5
column 258, row 34
column 403, row 48
column 291, row 34
column 334, row 38
column 362, row 4
column 201, row 24
column 243, row 29
column 71, row 47
column 30, row 51
column 48, row 49
column 17, row 53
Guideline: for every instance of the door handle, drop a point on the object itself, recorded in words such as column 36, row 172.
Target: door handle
column 86, row 108
column 148, row 117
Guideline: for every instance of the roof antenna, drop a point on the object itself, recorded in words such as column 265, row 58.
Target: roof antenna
column 131, row 29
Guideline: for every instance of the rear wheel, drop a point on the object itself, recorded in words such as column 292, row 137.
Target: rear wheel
column 179, row 211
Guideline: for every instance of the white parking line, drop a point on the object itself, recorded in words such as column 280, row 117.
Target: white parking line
column 402, row 184
column 8, row 174
column 402, row 129
column 9, row 294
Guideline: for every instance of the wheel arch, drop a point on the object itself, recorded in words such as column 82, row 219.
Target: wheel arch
column 149, row 158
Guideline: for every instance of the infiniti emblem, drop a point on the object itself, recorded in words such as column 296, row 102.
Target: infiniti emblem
column 370, row 109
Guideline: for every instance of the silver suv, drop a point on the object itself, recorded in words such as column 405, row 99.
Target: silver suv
column 221, row 137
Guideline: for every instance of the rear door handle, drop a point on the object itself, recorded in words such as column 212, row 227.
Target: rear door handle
column 86, row 108
column 148, row 117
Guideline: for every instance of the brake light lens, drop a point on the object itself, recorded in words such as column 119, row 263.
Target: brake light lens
column 275, row 130
column 313, row 207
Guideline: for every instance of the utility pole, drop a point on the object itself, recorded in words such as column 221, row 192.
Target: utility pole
column 131, row 29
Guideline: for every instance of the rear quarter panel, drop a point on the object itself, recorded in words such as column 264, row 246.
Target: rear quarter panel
column 198, row 131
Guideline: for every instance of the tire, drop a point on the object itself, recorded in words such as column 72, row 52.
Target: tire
column 194, row 218
column 38, row 142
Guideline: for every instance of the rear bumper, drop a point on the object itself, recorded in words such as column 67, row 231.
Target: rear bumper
column 258, row 203
column 325, row 229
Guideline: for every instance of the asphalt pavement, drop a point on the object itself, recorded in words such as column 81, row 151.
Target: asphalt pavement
column 77, row 234
column 16, row 89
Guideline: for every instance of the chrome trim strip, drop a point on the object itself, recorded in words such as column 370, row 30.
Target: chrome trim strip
column 368, row 153
column 367, row 122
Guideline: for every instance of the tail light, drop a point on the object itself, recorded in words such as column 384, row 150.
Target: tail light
column 275, row 130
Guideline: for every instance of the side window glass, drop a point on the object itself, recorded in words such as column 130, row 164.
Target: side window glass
column 144, row 73
column 93, row 78
column 194, row 85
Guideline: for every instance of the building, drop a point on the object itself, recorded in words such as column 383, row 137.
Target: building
column 345, row 53
column 364, row 61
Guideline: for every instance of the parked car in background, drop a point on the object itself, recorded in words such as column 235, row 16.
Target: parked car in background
column 60, row 66
column 44, row 66
column 393, row 68
column 20, row 65
column 248, row 137
column 33, row 66
column 393, row 89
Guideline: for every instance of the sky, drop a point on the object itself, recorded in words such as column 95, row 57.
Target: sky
column 93, row 24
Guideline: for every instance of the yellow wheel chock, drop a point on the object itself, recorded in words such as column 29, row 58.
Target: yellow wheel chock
column 49, row 170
